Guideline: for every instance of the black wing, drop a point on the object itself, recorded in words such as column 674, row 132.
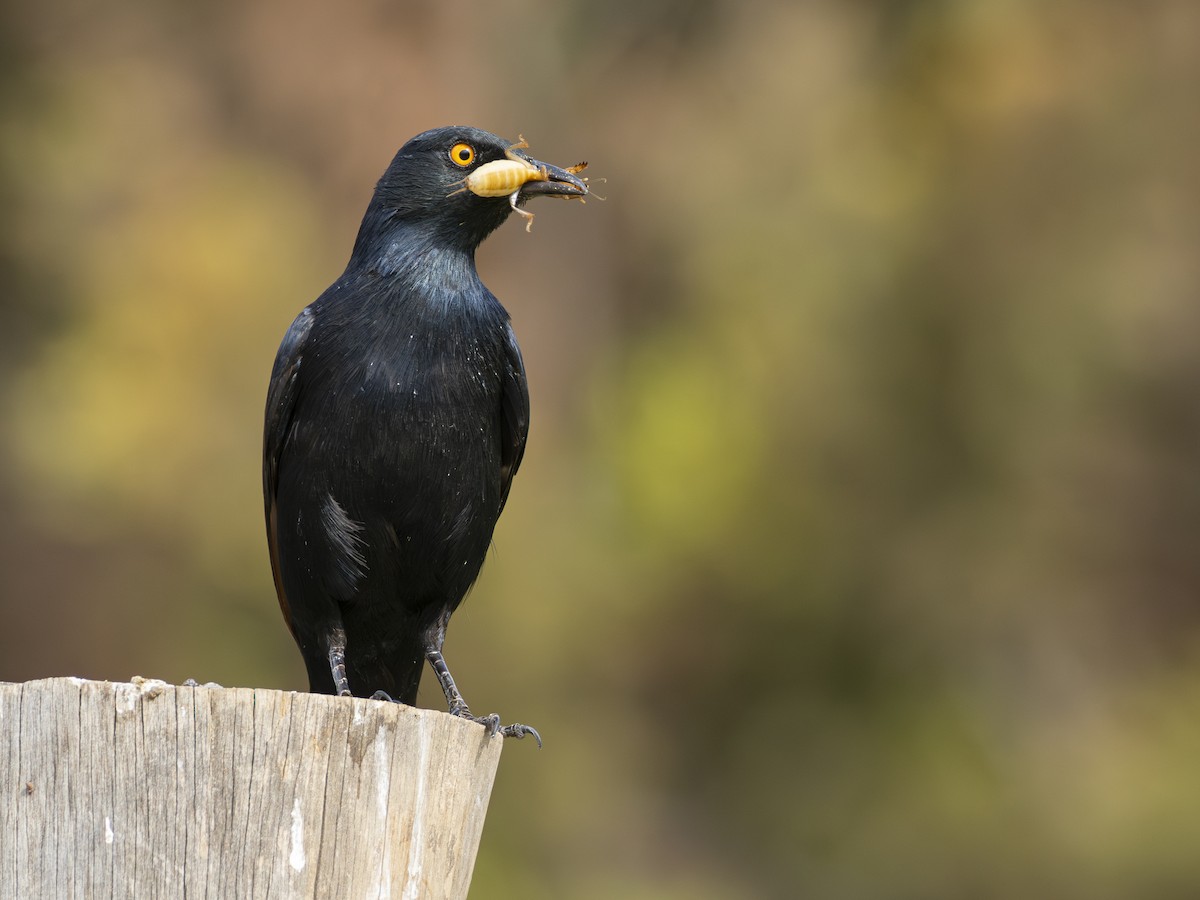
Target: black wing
column 281, row 405
column 514, row 424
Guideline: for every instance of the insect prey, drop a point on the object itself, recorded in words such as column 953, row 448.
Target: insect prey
column 505, row 178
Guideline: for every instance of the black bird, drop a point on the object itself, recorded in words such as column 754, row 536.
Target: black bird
column 396, row 418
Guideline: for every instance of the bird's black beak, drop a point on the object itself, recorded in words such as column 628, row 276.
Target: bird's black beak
column 554, row 182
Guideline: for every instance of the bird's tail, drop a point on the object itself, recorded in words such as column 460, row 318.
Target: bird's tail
column 393, row 667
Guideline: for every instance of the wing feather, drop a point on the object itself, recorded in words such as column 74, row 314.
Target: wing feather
column 514, row 423
column 281, row 406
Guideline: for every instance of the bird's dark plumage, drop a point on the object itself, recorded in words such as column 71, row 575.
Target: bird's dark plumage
column 396, row 418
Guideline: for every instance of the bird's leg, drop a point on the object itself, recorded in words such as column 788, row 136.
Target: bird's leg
column 458, row 706
column 337, row 666
column 337, row 662
column 435, row 635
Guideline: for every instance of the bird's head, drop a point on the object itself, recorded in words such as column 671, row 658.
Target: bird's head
column 459, row 184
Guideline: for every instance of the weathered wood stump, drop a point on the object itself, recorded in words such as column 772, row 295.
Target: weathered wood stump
column 151, row 790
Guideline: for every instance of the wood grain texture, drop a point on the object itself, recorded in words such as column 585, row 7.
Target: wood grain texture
column 151, row 790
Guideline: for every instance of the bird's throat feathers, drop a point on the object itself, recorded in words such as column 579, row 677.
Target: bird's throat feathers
column 416, row 262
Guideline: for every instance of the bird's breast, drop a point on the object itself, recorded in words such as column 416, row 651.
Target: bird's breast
column 406, row 408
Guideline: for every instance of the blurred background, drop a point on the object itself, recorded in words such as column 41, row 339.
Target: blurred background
column 856, row 549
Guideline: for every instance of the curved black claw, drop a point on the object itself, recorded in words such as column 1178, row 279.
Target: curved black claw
column 384, row 696
column 491, row 723
column 519, row 731
column 493, row 726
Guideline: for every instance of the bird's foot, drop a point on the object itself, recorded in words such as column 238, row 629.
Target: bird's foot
column 384, row 696
column 518, row 731
column 493, row 726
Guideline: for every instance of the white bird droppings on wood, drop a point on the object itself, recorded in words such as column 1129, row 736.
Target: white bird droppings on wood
column 296, row 857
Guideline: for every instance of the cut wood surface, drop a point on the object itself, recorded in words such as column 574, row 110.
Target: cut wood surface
column 151, row 790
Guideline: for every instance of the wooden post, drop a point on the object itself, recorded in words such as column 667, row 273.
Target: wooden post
column 150, row 790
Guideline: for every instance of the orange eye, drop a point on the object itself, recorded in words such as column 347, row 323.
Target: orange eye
column 462, row 154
